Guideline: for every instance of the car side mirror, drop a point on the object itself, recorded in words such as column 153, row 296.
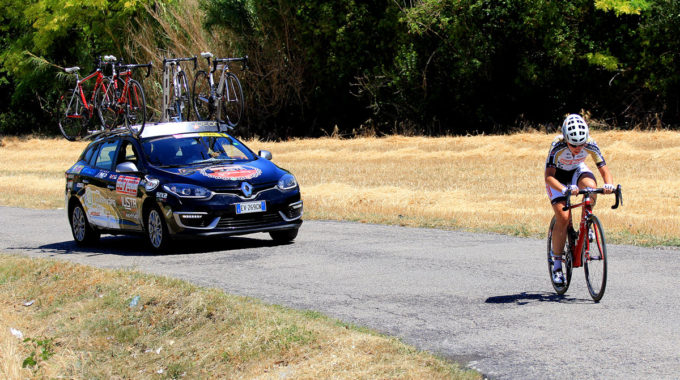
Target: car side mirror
column 127, row 167
column 267, row 155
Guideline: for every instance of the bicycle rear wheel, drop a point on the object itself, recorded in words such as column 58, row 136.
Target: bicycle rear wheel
column 201, row 98
column 72, row 116
column 231, row 100
column 567, row 265
column 135, row 113
column 595, row 260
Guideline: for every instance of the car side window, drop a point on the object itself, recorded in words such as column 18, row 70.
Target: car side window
column 128, row 153
column 87, row 156
column 106, row 155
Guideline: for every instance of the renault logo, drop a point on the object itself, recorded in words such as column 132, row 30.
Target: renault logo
column 247, row 189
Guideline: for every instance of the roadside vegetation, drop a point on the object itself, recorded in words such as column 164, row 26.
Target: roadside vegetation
column 477, row 183
column 431, row 67
column 63, row 320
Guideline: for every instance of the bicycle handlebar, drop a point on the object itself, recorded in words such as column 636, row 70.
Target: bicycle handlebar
column 171, row 60
column 243, row 59
column 137, row 65
column 617, row 192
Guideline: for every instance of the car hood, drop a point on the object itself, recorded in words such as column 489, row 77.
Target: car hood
column 225, row 175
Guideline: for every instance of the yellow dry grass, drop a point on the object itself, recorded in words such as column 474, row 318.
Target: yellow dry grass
column 489, row 183
column 178, row 330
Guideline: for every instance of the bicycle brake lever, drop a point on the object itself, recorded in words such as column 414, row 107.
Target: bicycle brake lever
column 619, row 198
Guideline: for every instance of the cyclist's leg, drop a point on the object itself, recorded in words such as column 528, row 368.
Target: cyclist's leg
column 584, row 177
column 559, row 233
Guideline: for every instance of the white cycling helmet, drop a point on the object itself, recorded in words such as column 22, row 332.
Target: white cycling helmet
column 575, row 130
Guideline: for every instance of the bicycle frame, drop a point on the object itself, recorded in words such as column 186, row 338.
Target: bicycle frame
column 171, row 69
column 583, row 243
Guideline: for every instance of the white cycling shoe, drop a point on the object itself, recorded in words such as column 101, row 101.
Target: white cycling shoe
column 558, row 277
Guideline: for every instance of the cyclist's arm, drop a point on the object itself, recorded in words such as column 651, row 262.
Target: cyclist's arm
column 606, row 176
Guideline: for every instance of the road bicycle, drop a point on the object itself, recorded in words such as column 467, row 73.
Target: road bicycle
column 223, row 101
column 176, row 103
column 74, row 111
column 121, row 99
column 586, row 247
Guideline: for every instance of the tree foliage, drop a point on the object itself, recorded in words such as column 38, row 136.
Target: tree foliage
column 405, row 66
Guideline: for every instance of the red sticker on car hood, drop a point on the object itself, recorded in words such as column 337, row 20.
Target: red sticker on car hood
column 231, row 172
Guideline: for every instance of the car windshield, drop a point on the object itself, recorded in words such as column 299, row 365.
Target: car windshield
column 194, row 149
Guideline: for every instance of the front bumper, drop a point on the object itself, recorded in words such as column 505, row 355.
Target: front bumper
column 217, row 216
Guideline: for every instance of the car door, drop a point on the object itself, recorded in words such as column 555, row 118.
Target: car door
column 100, row 186
column 127, row 192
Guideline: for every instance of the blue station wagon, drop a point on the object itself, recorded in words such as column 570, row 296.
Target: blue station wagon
column 178, row 180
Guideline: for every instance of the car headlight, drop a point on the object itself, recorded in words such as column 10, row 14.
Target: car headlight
column 287, row 182
column 187, row 191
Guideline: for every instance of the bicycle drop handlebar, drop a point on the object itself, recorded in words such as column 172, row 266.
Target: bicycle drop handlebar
column 617, row 192
column 175, row 60
column 149, row 65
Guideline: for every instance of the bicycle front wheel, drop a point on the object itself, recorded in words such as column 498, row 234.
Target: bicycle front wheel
column 135, row 114
column 72, row 116
column 595, row 259
column 231, row 100
column 201, row 98
column 183, row 102
column 567, row 265
column 107, row 104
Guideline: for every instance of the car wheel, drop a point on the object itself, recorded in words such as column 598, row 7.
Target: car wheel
column 83, row 233
column 285, row 236
column 156, row 229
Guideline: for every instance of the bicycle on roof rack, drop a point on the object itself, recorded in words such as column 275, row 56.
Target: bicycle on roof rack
column 176, row 102
column 585, row 247
column 122, row 100
column 74, row 111
column 222, row 101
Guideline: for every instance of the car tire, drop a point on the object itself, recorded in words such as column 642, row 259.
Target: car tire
column 284, row 236
column 157, row 235
column 82, row 231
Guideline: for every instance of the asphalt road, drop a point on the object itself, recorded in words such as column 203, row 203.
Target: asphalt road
column 483, row 300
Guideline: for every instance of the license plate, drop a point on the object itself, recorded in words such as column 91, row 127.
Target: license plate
column 248, row 207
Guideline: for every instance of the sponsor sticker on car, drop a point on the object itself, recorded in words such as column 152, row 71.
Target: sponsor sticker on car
column 231, row 172
column 127, row 185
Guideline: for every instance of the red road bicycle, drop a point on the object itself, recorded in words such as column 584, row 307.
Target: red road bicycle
column 122, row 101
column 586, row 247
column 74, row 111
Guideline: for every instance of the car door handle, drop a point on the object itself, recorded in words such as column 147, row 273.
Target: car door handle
column 86, row 181
column 111, row 187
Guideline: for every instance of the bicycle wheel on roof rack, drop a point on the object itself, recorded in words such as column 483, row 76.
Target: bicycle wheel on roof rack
column 135, row 112
column 231, row 100
column 107, row 106
column 72, row 116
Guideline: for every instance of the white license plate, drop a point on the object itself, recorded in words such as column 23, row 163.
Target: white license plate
column 248, row 207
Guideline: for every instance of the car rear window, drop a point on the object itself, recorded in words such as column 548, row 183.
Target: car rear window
column 106, row 155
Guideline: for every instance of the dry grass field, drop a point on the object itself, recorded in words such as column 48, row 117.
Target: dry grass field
column 82, row 326
column 481, row 183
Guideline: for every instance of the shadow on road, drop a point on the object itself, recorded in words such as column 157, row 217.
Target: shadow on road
column 525, row 298
column 136, row 246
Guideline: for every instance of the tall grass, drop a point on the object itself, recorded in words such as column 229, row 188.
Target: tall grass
column 484, row 183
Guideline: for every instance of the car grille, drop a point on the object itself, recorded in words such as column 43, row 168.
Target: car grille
column 249, row 221
column 237, row 191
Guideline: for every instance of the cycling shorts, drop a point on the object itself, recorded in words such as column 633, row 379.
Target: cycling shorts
column 566, row 178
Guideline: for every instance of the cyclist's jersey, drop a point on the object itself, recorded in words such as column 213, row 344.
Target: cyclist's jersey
column 560, row 156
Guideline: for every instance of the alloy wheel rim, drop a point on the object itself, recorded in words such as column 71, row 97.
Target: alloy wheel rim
column 155, row 229
column 78, row 224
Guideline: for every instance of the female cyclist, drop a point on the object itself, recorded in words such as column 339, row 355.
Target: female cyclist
column 566, row 171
